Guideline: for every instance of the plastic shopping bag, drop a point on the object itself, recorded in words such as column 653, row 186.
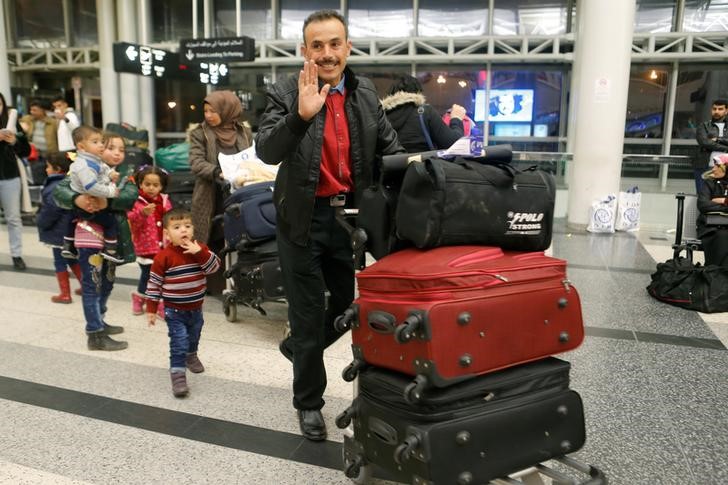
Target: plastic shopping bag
column 602, row 214
column 246, row 168
column 628, row 210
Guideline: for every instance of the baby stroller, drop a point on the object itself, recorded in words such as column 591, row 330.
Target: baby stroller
column 251, row 251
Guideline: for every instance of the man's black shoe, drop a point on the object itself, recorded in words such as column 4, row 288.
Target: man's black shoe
column 18, row 263
column 285, row 349
column 312, row 424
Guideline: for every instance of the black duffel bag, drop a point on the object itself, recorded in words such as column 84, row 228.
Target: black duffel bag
column 446, row 203
column 681, row 283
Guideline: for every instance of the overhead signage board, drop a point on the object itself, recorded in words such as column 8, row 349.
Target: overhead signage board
column 161, row 64
column 220, row 49
column 144, row 60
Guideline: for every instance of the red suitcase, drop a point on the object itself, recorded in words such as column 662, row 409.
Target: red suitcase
column 454, row 312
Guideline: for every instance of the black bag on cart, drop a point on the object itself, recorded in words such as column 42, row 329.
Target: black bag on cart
column 448, row 203
column 472, row 432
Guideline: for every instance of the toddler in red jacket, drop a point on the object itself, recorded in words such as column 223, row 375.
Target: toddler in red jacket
column 177, row 278
column 145, row 221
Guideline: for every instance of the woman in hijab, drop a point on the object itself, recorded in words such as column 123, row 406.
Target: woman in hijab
column 221, row 132
column 713, row 197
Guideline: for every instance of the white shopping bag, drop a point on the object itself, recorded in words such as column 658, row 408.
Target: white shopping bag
column 245, row 167
column 602, row 215
column 628, row 210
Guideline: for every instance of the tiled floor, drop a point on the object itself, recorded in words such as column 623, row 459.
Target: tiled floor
column 654, row 380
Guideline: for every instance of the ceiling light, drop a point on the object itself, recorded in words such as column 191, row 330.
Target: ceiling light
column 172, row 104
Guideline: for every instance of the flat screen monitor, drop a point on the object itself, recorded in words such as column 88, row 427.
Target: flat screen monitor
column 504, row 105
column 511, row 129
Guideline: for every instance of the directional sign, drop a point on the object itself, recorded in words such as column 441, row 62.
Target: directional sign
column 158, row 63
column 220, row 49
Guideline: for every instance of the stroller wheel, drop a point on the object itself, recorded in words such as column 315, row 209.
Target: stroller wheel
column 230, row 308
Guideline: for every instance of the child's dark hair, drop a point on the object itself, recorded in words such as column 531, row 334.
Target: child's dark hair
column 83, row 132
column 59, row 161
column 107, row 136
column 148, row 170
column 176, row 214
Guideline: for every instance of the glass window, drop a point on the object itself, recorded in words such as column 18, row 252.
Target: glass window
column 251, row 85
column 380, row 18
column 697, row 87
column 294, row 12
column 530, row 100
column 529, row 17
column 654, row 16
column 39, row 24
column 83, row 23
column 702, row 16
column 255, row 19
column 172, row 20
column 465, row 18
column 445, row 85
column 646, row 101
column 381, row 76
column 178, row 103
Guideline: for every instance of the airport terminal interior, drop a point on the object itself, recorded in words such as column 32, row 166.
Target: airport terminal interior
column 653, row 377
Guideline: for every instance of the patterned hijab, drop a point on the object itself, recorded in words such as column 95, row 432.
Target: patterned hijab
column 227, row 105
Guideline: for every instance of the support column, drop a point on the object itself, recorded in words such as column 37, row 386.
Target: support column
column 126, row 21
column 108, row 78
column 601, row 68
column 4, row 65
column 146, row 84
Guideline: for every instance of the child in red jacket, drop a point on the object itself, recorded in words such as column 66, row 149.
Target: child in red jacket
column 145, row 221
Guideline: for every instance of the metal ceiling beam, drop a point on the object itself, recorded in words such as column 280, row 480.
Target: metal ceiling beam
column 657, row 47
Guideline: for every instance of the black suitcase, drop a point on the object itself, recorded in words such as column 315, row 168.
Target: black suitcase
column 448, row 203
column 472, row 432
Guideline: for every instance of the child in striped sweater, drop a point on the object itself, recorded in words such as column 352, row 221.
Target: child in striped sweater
column 178, row 279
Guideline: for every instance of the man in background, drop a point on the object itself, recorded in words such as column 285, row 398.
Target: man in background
column 67, row 122
column 42, row 131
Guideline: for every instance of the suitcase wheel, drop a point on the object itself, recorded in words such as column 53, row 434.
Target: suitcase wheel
column 350, row 371
column 357, row 470
column 230, row 308
column 406, row 330
column 404, row 451
column 344, row 419
column 342, row 323
column 413, row 391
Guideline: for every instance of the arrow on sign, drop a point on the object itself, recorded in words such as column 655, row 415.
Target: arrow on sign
column 190, row 55
column 131, row 53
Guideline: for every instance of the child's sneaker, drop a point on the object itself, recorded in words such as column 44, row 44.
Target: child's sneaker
column 137, row 303
column 179, row 384
column 69, row 249
column 193, row 363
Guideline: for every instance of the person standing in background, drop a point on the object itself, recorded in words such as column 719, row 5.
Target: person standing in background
column 222, row 131
column 712, row 140
column 414, row 120
column 67, row 122
column 42, row 131
column 13, row 144
column 328, row 131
